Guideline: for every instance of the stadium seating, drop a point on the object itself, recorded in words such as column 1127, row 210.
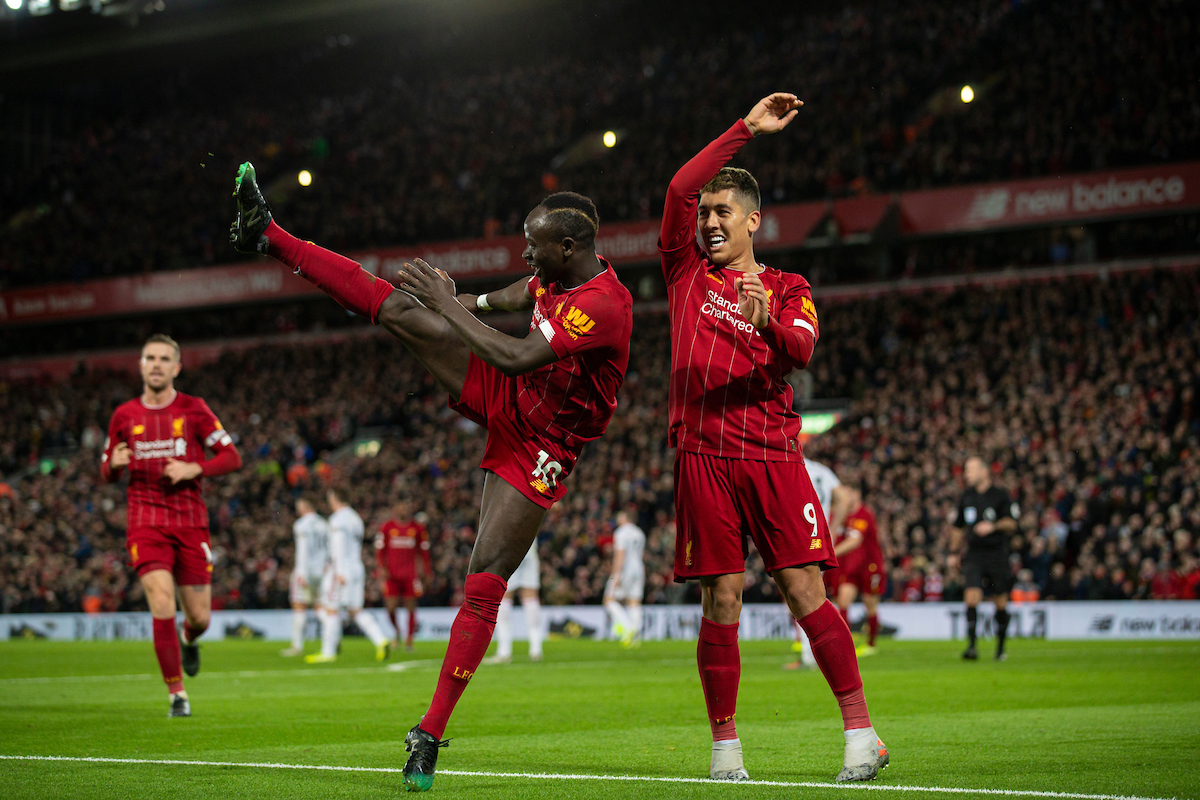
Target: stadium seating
column 404, row 151
column 1081, row 395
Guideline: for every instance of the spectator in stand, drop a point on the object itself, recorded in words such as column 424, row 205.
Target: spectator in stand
column 1096, row 422
column 1058, row 97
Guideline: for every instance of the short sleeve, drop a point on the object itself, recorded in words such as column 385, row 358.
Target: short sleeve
column 591, row 320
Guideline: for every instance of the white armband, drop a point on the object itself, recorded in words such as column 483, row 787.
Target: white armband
column 481, row 302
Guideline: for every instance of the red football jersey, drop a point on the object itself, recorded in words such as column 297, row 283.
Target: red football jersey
column 862, row 524
column 728, row 393
column 180, row 430
column 589, row 327
column 397, row 546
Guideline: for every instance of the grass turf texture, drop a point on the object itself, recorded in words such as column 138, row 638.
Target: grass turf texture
column 1102, row 718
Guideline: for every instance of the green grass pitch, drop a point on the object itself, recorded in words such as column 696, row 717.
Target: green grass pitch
column 1086, row 718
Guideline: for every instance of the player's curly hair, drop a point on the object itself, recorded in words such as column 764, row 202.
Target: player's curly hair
column 571, row 215
column 745, row 188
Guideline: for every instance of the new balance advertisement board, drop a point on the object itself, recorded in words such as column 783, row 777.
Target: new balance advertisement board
column 913, row 621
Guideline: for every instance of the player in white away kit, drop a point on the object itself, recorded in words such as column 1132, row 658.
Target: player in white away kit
column 344, row 583
column 526, row 582
column 835, row 501
column 312, row 554
column 628, row 581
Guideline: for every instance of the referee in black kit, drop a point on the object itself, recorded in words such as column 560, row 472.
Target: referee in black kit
column 989, row 517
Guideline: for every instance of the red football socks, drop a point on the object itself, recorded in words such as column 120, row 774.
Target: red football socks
column 470, row 636
column 190, row 633
column 720, row 664
column 872, row 629
column 845, row 613
column 833, row 648
column 166, row 647
column 344, row 280
column 412, row 625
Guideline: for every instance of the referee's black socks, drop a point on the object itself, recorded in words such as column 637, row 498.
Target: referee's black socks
column 1001, row 629
column 972, row 618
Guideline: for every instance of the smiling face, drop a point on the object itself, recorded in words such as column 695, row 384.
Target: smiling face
column 543, row 254
column 160, row 366
column 725, row 226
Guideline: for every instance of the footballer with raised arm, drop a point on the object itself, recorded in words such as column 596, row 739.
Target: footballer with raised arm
column 541, row 397
column 737, row 329
column 160, row 438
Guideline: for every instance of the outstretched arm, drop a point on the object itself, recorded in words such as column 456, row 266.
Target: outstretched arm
column 512, row 356
column 769, row 115
column 515, row 297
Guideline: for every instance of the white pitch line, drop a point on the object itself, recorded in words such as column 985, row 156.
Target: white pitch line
column 553, row 776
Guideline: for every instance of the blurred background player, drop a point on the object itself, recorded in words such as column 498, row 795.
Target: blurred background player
column 988, row 517
column 860, row 568
column 311, row 535
column 344, row 583
column 402, row 545
column 541, row 397
column 160, row 436
column 738, row 328
column 836, row 500
column 626, row 586
column 526, row 582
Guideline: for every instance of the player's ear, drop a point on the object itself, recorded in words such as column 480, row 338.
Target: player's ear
column 753, row 220
column 568, row 248
column 178, row 367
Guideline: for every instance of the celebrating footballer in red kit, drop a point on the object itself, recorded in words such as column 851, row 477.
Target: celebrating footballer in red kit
column 860, row 569
column 737, row 329
column 400, row 546
column 160, row 437
column 541, row 397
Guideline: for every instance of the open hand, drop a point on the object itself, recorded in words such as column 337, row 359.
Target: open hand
column 773, row 113
column 181, row 470
column 431, row 287
column 753, row 303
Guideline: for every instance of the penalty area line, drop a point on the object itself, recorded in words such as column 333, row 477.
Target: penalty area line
column 553, row 776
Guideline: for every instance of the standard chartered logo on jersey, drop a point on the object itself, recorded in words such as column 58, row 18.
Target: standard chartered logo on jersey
column 160, row 448
column 723, row 308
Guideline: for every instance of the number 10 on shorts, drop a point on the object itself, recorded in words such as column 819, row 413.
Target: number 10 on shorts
column 546, row 470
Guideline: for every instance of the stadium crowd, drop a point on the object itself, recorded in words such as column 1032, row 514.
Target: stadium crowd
column 446, row 137
column 1082, row 396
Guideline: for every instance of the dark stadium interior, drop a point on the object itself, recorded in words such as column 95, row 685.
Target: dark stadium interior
column 1080, row 391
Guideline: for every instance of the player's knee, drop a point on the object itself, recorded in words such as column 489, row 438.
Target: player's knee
column 199, row 620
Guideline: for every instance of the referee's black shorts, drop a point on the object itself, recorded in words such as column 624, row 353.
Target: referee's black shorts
column 988, row 571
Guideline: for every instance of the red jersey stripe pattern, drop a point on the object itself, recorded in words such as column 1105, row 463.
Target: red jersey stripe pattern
column 729, row 396
column 588, row 327
column 182, row 430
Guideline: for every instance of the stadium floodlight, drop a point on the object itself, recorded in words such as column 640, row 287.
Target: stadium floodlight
column 610, row 139
column 967, row 94
column 14, row 5
column 305, row 177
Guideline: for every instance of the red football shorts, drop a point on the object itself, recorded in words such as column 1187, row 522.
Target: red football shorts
column 721, row 503
column 868, row 576
column 184, row 552
column 403, row 587
column 527, row 459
